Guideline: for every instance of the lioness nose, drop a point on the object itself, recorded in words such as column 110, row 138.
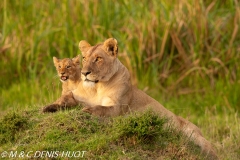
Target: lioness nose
column 85, row 73
column 62, row 72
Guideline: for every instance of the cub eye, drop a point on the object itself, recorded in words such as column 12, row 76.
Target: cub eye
column 68, row 66
column 84, row 59
column 59, row 66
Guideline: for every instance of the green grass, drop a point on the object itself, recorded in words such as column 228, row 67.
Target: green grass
column 137, row 136
column 184, row 53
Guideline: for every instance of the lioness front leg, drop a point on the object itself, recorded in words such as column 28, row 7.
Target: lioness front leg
column 65, row 101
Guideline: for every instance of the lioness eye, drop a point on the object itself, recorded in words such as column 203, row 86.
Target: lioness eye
column 68, row 67
column 84, row 59
column 98, row 59
column 59, row 66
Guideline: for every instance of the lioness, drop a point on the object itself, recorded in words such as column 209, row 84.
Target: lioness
column 106, row 90
column 112, row 93
column 69, row 72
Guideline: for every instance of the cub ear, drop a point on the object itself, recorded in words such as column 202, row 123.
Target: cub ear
column 76, row 60
column 83, row 46
column 55, row 61
column 111, row 47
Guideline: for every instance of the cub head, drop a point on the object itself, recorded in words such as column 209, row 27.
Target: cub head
column 99, row 61
column 67, row 68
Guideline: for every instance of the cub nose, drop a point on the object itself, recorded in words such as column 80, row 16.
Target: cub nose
column 85, row 73
column 62, row 72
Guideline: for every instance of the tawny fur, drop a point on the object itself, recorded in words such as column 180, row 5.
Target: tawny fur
column 106, row 90
column 113, row 93
column 69, row 73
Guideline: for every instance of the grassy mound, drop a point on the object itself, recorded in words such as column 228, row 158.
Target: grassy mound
column 136, row 136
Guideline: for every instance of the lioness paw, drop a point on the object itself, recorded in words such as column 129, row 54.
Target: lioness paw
column 96, row 111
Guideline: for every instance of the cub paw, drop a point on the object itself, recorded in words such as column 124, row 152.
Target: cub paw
column 51, row 108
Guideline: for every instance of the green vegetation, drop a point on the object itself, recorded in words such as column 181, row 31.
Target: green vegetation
column 11, row 124
column 135, row 136
column 184, row 53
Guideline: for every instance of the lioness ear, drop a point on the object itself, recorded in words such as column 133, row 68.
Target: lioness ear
column 76, row 60
column 111, row 47
column 83, row 46
column 55, row 61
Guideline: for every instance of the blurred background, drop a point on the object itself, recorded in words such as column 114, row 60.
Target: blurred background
column 184, row 53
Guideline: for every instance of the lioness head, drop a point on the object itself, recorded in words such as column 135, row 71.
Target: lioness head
column 99, row 61
column 67, row 68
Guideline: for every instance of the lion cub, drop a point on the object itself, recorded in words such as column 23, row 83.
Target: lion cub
column 69, row 72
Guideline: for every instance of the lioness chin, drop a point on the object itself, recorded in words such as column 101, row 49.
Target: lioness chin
column 106, row 90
